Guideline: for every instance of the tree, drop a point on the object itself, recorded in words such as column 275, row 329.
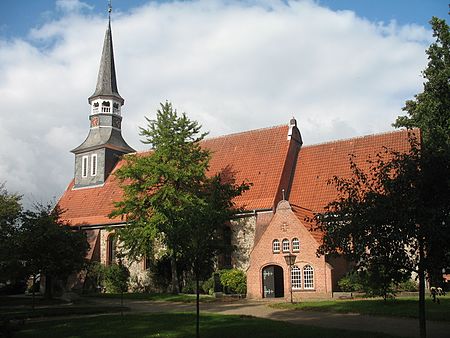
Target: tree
column 170, row 201
column 430, row 111
column 50, row 247
column 11, row 267
column 398, row 212
column 161, row 189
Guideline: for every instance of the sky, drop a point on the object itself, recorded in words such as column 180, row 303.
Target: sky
column 342, row 68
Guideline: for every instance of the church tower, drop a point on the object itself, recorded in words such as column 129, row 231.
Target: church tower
column 97, row 155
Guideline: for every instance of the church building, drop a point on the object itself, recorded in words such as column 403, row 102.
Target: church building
column 273, row 241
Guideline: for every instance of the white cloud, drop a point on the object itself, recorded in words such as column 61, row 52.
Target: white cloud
column 70, row 6
column 230, row 65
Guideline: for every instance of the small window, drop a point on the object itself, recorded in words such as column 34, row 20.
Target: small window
column 84, row 166
column 276, row 246
column 93, row 164
column 296, row 277
column 308, row 276
column 111, row 250
column 285, row 245
column 295, row 245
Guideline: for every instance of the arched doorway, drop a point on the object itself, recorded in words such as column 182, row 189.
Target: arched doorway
column 273, row 281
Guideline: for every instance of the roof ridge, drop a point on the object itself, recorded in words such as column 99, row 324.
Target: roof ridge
column 245, row 132
column 360, row 137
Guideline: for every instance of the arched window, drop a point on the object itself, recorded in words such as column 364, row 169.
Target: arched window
column 276, row 246
column 308, row 277
column 285, row 245
column 111, row 249
column 295, row 245
column 296, row 278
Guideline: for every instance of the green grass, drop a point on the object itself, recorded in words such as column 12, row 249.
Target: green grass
column 27, row 301
column 182, row 297
column 24, row 313
column 400, row 307
column 180, row 325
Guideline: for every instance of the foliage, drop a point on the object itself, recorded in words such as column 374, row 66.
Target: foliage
column 11, row 267
column 160, row 187
column 396, row 217
column 208, row 286
column 168, row 198
column 408, row 286
column 234, row 281
column 50, row 247
column 95, row 276
column 351, row 283
column 116, row 278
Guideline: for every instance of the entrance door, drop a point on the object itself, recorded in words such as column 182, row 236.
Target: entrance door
column 273, row 282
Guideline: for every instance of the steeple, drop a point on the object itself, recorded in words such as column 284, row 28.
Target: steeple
column 97, row 155
column 106, row 80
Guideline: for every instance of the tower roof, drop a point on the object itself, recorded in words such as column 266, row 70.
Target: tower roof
column 106, row 81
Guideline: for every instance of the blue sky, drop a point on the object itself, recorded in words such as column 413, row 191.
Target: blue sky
column 342, row 68
column 17, row 17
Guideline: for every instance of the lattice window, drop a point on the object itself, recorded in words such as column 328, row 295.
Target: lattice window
column 285, row 245
column 276, row 246
column 296, row 278
column 308, row 277
column 295, row 245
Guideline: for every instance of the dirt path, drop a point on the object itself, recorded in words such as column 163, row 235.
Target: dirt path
column 402, row 327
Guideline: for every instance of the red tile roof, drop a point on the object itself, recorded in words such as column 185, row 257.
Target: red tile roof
column 317, row 164
column 255, row 156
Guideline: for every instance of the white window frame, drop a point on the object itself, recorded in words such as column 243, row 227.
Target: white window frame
column 295, row 245
column 276, row 246
column 94, row 165
column 286, row 245
column 296, row 278
column 308, row 277
column 84, row 166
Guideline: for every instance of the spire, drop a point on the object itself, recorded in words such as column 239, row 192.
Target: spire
column 106, row 81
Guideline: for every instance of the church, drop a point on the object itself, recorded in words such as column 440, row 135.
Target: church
column 273, row 241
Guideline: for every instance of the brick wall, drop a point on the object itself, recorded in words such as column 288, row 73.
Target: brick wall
column 285, row 225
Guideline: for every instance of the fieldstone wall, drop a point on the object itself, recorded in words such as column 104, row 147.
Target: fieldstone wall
column 242, row 239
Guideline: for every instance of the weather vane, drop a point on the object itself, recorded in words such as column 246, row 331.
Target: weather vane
column 109, row 8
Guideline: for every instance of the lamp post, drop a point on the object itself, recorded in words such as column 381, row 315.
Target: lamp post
column 290, row 261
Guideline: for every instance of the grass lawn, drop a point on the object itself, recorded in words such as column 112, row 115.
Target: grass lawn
column 20, row 308
column 399, row 307
column 179, row 325
column 182, row 297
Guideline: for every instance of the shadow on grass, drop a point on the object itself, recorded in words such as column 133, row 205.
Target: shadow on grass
column 180, row 325
column 399, row 307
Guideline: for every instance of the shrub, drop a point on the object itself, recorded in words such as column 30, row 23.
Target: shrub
column 208, row 286
column 351, row 283
column 234, row 281
column 408, row 286
column 116, row 278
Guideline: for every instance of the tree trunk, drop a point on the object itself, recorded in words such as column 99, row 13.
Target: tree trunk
column 48, row 287
column 422, row 319
column 197, row 286
column 33, row 304
column 173, row 266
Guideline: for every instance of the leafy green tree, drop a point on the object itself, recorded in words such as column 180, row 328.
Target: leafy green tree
column 11, row 268
column 430, row 111
column 50, row 247
column 160, row 189
column 169, row 200
column 396, row 215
